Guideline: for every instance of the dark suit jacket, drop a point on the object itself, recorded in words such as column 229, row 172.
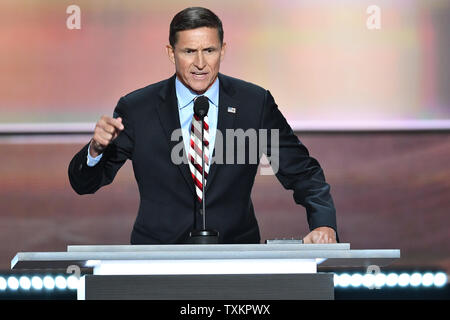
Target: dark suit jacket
column 168, row 208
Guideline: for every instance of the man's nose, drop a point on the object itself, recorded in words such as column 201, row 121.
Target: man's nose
column 199, row 61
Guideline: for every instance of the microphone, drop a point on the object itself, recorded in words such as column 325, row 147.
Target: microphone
column 203, row 236
column 201, row 106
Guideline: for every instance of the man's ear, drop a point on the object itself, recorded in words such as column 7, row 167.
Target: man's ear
column 222, row 51
column 170, row 53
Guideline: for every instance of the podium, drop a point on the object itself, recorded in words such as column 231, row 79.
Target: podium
column 206, row 272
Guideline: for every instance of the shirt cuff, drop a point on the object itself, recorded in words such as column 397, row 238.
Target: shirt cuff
column 93, row 161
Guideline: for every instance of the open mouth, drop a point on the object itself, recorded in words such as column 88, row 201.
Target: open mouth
column 199, row 75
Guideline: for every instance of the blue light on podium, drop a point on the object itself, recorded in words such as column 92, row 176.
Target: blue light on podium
column 36, row 283
column 60, row 282
column 49, row 282
column 13, row 283
column 440, row 279
column 24, row 283
column 3, row 284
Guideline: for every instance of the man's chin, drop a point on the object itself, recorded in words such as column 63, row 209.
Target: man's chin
column 199, row 89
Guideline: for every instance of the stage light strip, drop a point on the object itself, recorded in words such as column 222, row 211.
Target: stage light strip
column 344, row 280
column 390, row 280
column 28, row 283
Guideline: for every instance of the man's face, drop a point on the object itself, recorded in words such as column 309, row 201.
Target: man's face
column 197, row 55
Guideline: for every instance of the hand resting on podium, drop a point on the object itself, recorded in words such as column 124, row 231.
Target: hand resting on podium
column 321, row 235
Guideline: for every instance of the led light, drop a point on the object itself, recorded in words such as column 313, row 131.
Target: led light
column 368, row 280
column 3, row 284
column 440, row 279
column 427, row 279
column 24, row 283
column 72, row 282
column 49, row 283
column 416, row 279
column 36, row 283
column 380, row 280
column 60, row 282
column 13, row 283
column 403, row 280
column 344, row 280
column 391, row 279
column 336, row 280
column 356, row 280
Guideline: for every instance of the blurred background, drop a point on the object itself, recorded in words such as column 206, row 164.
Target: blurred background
column 372, row 105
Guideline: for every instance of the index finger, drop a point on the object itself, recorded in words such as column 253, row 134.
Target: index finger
column 307, row 239
column 117, row 123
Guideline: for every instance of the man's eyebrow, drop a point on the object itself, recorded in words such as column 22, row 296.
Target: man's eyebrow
column 208, row 48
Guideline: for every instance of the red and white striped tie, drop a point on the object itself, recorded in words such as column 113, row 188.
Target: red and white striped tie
column 195, row 152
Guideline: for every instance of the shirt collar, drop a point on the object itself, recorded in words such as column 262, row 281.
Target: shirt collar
column 185, row 95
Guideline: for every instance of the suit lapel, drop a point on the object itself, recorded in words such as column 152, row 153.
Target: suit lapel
column 226, row 120
column 170, row 120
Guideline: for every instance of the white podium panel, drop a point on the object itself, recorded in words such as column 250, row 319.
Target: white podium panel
column 205, row 266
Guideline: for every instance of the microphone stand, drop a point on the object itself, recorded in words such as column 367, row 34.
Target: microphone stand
column 203, row 180
column 204, row 236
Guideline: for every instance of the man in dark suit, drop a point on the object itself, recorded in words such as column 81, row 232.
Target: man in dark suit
column 142, row 130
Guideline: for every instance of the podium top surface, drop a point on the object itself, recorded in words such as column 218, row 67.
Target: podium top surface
column 327, row 255
column 208, row 247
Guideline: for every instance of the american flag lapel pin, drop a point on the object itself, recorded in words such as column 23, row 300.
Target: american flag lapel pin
column 231, row 110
